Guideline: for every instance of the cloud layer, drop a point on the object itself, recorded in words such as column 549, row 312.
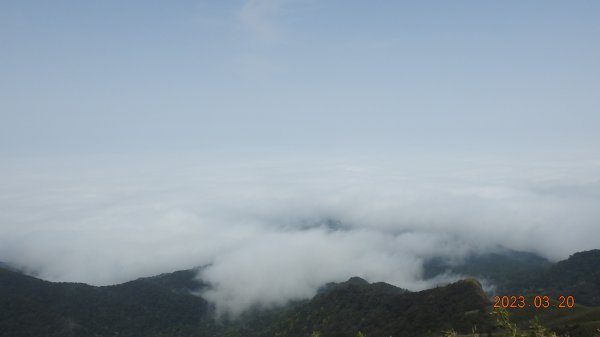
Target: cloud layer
column 273, row 231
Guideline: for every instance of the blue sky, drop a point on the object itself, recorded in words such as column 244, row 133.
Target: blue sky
column 273, row 76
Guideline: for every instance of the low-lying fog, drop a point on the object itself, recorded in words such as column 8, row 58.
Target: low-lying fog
column 275, row 230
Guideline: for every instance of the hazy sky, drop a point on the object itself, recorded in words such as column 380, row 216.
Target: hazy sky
column 297, row 75
column 290, row 143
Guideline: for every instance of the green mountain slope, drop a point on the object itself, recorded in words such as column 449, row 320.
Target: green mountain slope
column 161, row 306
column 578, row 276
column 165, row 305
column 518, row 273
column 32, row 307
column 382, row 310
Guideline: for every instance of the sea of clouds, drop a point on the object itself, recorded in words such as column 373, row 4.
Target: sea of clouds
column 270, row 231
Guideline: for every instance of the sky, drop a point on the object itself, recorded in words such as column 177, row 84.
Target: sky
column 294, row 75
column 314, row 140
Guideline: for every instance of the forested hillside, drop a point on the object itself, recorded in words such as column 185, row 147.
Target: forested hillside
column 169, row 305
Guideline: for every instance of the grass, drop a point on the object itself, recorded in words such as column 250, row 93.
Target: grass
column 508, row 328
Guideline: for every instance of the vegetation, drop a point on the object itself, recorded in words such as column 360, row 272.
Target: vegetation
column 526, row 273
column 165, row 306
column 159, row 306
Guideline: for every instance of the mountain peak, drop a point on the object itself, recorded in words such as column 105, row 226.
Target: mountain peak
column 356, row 281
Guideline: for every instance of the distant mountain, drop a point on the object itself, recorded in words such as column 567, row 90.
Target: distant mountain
column 498, row 267
column 524, row 273
column 165, row 305
column 32, row 307
column 182, row 282
column 4, row 265
column 380, row 309
column 577, row 276
column 162, row 305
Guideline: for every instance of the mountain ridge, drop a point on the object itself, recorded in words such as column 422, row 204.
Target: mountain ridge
column 165, row 305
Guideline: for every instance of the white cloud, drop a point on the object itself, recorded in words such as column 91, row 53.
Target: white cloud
column 280, row 266
column 277, row 230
